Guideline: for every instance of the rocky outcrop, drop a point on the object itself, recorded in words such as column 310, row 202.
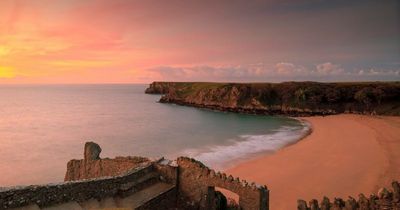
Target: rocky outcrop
column 159, row 184
column 160, row 87
column 92, row 166
column 288, row 98
column 384, row 200
column 92, row 151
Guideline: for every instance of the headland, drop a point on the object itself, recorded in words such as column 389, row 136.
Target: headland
column 287, row 98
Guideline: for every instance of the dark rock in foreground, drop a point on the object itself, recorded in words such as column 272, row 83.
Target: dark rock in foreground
column 384, row 201
column 123, row 183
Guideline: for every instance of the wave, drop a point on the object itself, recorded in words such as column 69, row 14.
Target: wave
column 248, row 146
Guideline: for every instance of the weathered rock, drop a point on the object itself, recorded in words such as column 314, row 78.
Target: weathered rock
column 314, row 205
column 325, row 204
column 93, row 167
column 385, row 200
column 351, row 204
column 302, row 205
column 338, row 204
column 30, row 207
column 363, row 202
column 396, row 191
column 65, row 206
column 92, row 151
column 383, row 193
column 160, row 87
column 373, row 202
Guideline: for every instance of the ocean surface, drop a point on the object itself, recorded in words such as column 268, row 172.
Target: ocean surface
column 44, row 126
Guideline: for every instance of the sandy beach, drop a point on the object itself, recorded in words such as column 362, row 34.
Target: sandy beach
column 344, row 155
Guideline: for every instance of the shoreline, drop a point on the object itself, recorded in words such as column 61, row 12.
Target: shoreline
column 252, row 146
column 343, row 156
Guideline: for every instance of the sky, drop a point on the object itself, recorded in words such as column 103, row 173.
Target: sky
column 132, row 41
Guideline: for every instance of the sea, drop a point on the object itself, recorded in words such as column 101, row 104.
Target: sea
column 42, row 127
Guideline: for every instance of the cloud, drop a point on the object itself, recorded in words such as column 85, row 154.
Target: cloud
column 379, row 72
column 329, row 69
column 172, row 39
column 289, row 69
column 206, row 72
column 282, row 71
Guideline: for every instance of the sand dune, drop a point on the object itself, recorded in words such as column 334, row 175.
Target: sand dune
column 344, row 155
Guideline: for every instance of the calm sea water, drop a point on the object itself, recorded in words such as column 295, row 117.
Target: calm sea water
column 42, row 127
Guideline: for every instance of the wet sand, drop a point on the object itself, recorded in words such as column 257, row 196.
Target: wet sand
column 344, row 155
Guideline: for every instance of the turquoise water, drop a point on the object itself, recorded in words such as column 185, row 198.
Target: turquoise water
column 42, row 127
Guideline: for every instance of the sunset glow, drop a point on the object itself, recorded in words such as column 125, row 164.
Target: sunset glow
column 141, row 41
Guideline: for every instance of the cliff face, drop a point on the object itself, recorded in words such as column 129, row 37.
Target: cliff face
column 93, row 167
column 288, row 98
column 160, row 87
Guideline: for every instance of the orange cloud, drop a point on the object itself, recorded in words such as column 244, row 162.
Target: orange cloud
column 99, row 41
column 79, row 63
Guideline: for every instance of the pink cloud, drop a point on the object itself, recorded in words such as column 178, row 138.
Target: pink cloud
column 329, row 69
column 190, row 40
column 282, row 71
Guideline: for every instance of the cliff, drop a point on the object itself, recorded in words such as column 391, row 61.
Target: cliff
column 92, row 166
column 161, row 87
column 287, row 98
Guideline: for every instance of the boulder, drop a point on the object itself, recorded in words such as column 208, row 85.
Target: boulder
column 396, row 191
column 302, row 205
column 92, row 151
column 314, row 205
column 325, row 204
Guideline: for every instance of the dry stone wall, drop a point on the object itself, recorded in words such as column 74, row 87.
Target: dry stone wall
column 192, row 185
column 93, row 167
column 78, row 191
column 385, row 200
column 195, row 180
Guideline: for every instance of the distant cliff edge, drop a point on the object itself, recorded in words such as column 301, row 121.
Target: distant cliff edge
column 287, row 98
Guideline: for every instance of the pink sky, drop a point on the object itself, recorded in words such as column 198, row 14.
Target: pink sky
column 121, row 41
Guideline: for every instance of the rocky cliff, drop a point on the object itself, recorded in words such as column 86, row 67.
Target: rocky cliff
column 92, row 166
column 161, row 87
column 287, row 98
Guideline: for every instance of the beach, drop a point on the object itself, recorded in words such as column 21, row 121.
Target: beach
column 345, row 155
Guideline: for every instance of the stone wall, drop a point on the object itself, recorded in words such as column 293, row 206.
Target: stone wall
column 78, row 191
column 161, row 202
column 195, row 180
column 93, row 167
column 385, row 200
column 190, row 185
column 167, row 170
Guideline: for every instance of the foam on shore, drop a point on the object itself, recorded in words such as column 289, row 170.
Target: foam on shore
column 249, row 146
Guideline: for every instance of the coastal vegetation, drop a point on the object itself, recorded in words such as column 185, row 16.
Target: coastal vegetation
column 287, row 98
